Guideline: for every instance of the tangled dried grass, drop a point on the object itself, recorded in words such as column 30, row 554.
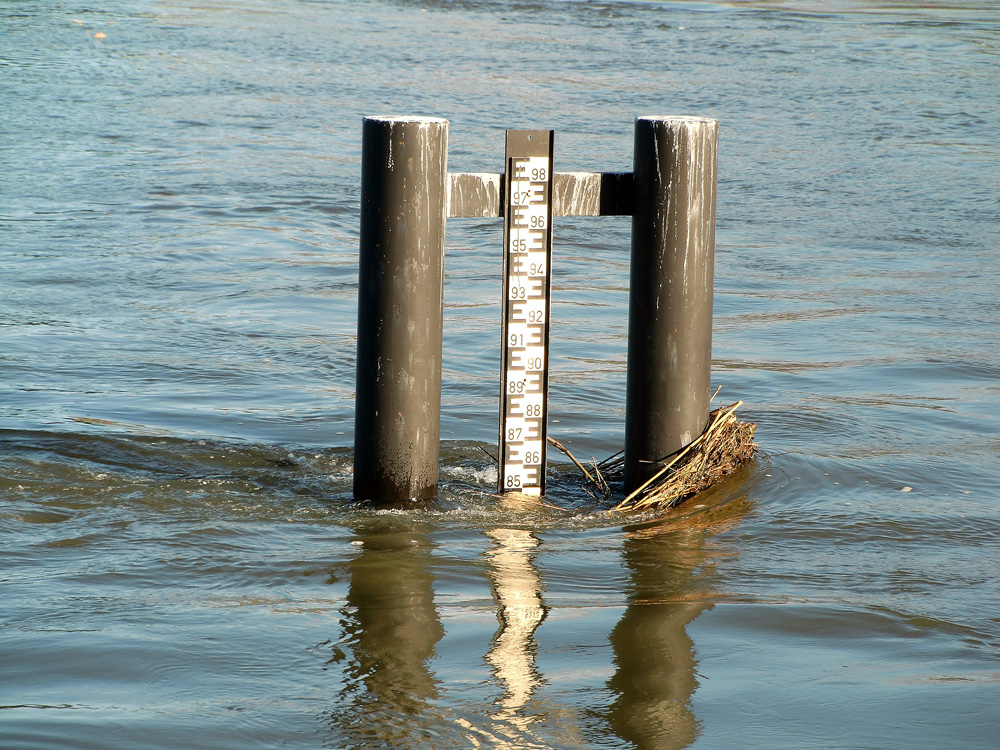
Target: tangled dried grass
column 725, row 446
column 720, row 450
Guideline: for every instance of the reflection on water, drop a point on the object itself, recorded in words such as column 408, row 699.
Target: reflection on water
column 654, row 656
column 391, row 693
column 391, row 627
column 517, row 589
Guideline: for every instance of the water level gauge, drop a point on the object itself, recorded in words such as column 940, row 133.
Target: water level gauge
column 525, row 361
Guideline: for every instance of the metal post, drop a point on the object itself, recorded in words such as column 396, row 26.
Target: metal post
column 670, row 297
column 404, row 177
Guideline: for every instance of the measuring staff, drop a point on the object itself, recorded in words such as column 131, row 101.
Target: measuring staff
column 525, row 361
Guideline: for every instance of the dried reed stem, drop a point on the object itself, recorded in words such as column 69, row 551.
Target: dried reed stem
column 601, row 486
column 720, row 450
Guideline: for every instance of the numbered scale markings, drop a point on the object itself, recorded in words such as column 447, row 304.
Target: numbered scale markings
column 527, row 254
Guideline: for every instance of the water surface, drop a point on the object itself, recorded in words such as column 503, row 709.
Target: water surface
column 182, row 563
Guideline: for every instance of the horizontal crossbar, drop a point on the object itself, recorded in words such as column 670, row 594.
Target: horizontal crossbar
column 477, row 194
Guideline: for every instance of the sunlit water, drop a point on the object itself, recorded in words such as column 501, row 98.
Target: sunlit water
column 181, row 562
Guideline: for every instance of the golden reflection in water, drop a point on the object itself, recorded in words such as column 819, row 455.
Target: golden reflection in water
column 517, row 589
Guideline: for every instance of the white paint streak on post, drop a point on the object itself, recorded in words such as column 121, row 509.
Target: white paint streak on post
column 477, row 194
column 670, row 296
column 473, row 195
column 404, row 180
column 592, row 194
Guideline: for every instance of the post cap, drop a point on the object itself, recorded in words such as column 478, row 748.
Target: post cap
column 407, row 119
column 678, row 119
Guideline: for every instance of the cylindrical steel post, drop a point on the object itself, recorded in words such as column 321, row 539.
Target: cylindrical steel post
column 670, row 295
column 404, row 175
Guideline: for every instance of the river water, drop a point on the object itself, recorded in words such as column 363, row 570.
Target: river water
column 181, row 562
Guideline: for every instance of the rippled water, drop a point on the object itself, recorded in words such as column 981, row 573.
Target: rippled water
column 181, row 561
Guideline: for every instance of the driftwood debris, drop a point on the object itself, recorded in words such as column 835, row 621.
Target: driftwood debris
column 725, row 445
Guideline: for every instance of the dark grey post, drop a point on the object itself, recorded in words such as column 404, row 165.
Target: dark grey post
column 404, row 177
column 670, row 296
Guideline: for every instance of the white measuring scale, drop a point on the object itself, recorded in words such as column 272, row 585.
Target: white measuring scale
column 525, row 361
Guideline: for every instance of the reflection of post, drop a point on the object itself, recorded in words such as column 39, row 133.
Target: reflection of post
column 392, row 632
column 655, row 658
column 517, row 590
